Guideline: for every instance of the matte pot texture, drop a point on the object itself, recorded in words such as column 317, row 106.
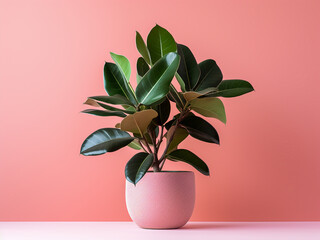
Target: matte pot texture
column 161, row 200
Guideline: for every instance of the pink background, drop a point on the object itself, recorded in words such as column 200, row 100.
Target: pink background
column 52, row 55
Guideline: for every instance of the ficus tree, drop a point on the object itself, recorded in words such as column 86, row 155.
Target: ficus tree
column 145, row 111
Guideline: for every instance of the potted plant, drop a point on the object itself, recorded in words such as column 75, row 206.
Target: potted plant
column 156, row 198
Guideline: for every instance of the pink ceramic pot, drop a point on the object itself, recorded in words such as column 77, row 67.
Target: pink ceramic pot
column 161, row 200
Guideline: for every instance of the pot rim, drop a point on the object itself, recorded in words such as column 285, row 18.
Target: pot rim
column 170, row 172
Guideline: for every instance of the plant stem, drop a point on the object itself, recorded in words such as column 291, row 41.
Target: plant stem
column 147, row 144
column 155, row 151
column 161, row 137
column 181, row 117
column 162, row 164
column 141, row 144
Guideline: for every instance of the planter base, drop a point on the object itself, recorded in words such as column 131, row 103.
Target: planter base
column 161, row 200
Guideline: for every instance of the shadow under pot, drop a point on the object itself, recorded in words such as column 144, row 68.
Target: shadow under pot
column 161, row 200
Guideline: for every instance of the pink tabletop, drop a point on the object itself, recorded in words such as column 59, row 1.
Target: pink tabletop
column 128, row 230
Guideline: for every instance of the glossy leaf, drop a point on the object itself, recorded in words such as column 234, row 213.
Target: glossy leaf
column 211, row 75
column 176, row 97
column 181, row 82
column 232, row 88
column 94, row 103
column 163, row 111
column 179, row 135
column 209, row 107
column 142, row 68
column 186, row 156
column 134, row 144
column 200, row 129
column 188, row 69
column 123, row 64
column 139, row 121
column 115, row 82
column 110, row 108
column 102, row 113
column 116, row 100
column 105, row 140
column 142, row 48
column 156, row 82
column 160, row 42
column 137, row 167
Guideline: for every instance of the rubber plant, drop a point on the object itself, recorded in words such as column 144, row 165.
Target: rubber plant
column 145, row 124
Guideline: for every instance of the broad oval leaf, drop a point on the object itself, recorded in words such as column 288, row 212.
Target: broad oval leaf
column 137, row 167
column 200, row 129
column 123, row 64
column 160, row 42
column 102, row 113
column 115, row 99
column 105, row 140
column 209, row 107
column 211, row 75
column 178, row 136
column 155, row 84
column 188, row 69
column 139, row 121
column 186, row 156
column 142, row 48
column 163, row 110
column 142, row 68
column 232, row 88
column 115, row 82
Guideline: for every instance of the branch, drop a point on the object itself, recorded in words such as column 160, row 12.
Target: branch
column 141, row 144
column 182, row 116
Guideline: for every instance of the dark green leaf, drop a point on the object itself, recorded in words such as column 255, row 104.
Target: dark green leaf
column 200, row 129
column 232, row 88
column 105, row 140
column 104, row 113
column 188, row 69
column 211, row 75
column 155, row 84
column 142, row 68
column 142, row 48
column 137, row 167
column 190, row 158
column 160, row 42
column 181, row 82
column 171, row 122
column 163, row 112
column 115, row 99
column 115, row 82
column 110, row 108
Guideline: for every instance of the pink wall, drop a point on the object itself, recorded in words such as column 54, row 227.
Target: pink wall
column 51, row 58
